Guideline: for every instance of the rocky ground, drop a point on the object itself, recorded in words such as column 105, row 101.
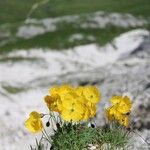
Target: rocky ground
column 120, row 67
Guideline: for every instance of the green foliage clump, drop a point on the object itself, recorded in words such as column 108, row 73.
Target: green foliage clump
column 73, row 137
column 114, row 135
column 77, row 137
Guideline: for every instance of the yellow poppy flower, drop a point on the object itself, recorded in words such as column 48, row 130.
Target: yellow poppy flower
column 124, row 120
column 91, row 93
column 61, row 90
column 54, row 103
column 54, row 90
column 123, row 104
column 73, row 113
column 34, row 123
column 124, row 109
column 65, row 89
column 109, row 115
column 92, row 108
column 79, row 90
column 76, row 102
column 115, row 100
column 113, row 113
column 71, row 98
column 87, row 114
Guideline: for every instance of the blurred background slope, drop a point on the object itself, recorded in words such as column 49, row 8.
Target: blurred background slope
column 14, row 15
column 82, row 42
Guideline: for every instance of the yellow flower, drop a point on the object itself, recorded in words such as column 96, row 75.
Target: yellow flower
column 109, row 113
column 91, row 93
column 73, row 103
column 79, row 90
column 115, row 100
column 34, row 123
column 71, row 98
column 73, row 113
column 54, row 90
column 123, row 104
column 109, row 117
column 61, row 90
column 87, row 114
column 124, row 120
column 73, row 108
column 92, row 108
column 112, row 113
column 65, row 88
column 54, row 103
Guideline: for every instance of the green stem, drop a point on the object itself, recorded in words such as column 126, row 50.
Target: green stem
column 46, row 136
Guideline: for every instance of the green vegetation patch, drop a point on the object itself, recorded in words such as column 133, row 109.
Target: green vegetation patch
column 60, row 39
column 13, row 89
column 78, row 137
column 19, row 59
column 13, row 13
column 17, row 10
